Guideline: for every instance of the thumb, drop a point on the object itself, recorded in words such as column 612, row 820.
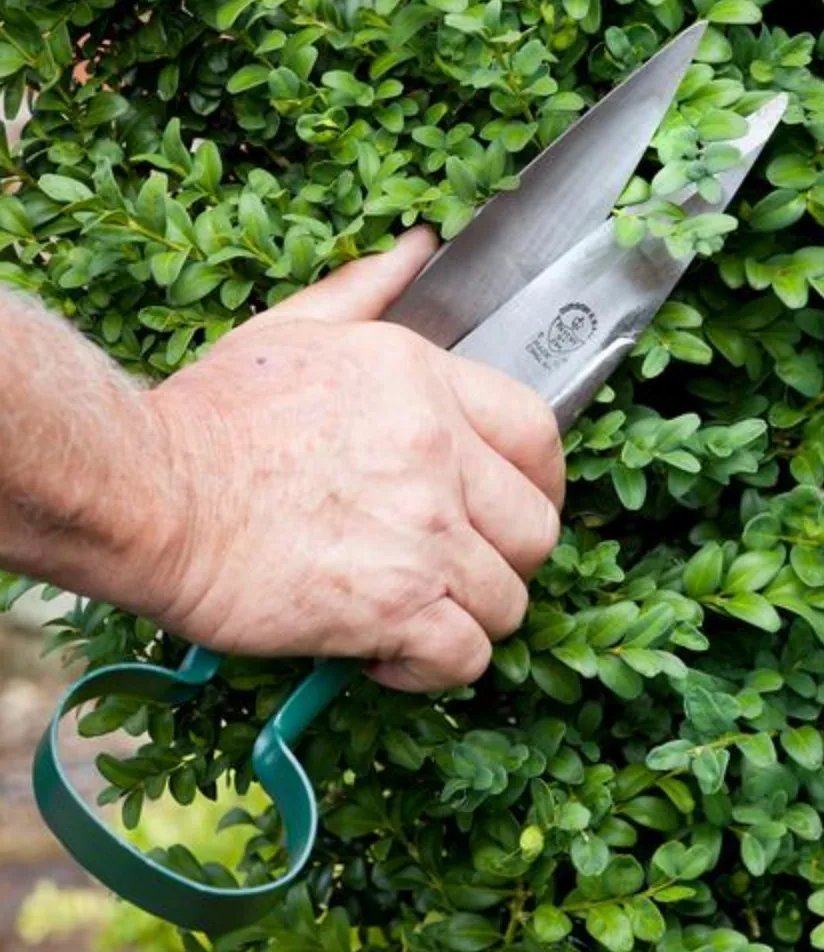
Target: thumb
column 362, row 290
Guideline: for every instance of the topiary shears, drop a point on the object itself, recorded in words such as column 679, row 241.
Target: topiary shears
column 537, row 286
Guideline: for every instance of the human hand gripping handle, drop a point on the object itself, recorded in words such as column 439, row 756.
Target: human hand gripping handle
column 340, row 488
column 348, row 489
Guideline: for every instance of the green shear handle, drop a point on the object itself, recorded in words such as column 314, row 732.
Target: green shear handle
column 136, row 877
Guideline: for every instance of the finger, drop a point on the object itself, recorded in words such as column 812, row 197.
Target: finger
column 361, row 290
column 511, row 418
column 446, row 648
column 483, row 583
column 508, row 510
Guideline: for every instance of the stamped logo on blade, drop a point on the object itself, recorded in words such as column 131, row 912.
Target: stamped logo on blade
column 573, row 326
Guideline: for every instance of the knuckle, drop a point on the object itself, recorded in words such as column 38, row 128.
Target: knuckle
column 427, row 437
column 517, row 602
column 398, row 348
column 466, row 653
column 428, row 511
column 471, row 663
column 454, row 641
column 543, row 537
column 540, row 423
column 403, row 594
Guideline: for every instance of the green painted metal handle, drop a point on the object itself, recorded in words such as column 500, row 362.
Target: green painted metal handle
column 136, row 877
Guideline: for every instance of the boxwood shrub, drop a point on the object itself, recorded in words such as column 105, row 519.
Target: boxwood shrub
column 642, row 767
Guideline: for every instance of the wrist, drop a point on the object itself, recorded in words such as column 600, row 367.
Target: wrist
column 136, row 528
column 105, row 523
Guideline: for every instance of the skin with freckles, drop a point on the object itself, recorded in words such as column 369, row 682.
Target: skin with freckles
column 321, row 484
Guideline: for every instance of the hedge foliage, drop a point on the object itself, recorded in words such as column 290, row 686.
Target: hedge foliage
column 643, row 766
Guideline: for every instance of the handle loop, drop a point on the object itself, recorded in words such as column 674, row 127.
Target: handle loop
column 138, row 878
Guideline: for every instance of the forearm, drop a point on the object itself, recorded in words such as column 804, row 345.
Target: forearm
column 83, row 481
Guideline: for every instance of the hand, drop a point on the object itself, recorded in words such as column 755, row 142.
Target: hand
column 352, row 490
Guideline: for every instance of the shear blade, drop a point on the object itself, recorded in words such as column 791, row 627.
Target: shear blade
column 570, row 327
column 566, row 192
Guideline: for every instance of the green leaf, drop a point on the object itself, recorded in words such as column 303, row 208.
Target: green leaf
column 168, row 82
column 721, row 124
column 556, row 680
column 229, row 11
column 234, row 292
column 815, row 903
column 574, row 816
column 196, row 281
column 753, row 855
column 734, row 11
column 669, row 858
column 619, row 677
column 589, row 854
column 804, row 746
column 248, row 77
column 273, row 41
column 183, row 785
column 648, row 924
column 631, row 486
column 512, row 659
column 132, row 809
column 110, row 715
column 762, row 532
column 174, row 148
column 105, row 107
column 465, row 23
column 709, row 768
column 403, row 750
column 710, row 713
column 704, row 571
column 673, row 755
column 353, row 821
column 151, row 203
column 11, row 60
column 790, row 284
column 461, row 178
column 610, row 925
column 674, row 893
column 516, row 136
column 679, row 794
column 759, row 750
column 779, row 210
column 14, row 218
column 566, row 766
column 808, row 564
column 579, row 657
column 117, row 772
column 792, row 171
column 630, row 230
column 577, row 9
column 646, row 662
column 550, row 923
column 159, row 318
column 650, row 626
column 65, row 190
column 624, row 876
column 466, row 932
column 207, row 168
column 804, row 821
column 178, row 344
column 753, row 571
column 654, row 813
column 672, row 178
column 753, row 609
